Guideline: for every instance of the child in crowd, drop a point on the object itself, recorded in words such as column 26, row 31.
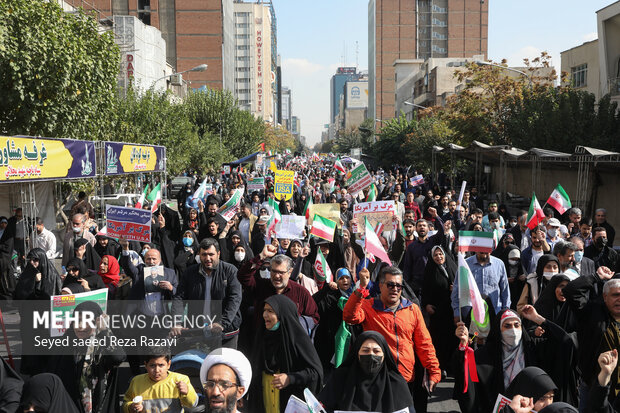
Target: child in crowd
column 159, row 389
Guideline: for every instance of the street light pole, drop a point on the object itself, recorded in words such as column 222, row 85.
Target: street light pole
column 482, row 63
column 415, row 105
column 199, row 68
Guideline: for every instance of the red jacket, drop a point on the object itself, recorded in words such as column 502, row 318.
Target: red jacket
column 404, row 331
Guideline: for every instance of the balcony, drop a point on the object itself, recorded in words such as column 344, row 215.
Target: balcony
column 614, row 86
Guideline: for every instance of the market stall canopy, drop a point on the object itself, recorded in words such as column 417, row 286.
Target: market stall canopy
column 246, row 159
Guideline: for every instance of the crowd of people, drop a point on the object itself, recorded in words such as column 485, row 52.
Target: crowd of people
column 376, row 336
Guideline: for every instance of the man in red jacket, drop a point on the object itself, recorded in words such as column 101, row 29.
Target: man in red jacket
column 399, row 321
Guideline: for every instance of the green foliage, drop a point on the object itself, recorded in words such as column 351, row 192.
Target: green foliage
column 152, row 118
column 360, row 137
column 214, row 113
column 58, row 73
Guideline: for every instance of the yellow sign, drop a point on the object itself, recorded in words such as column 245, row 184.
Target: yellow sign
column 26, row 159
column 135, row 158
column 284, row 184
column 329, row 211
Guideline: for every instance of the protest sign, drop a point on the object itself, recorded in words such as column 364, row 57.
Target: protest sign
column 130, row 223
column 226, row 169
column 291, row 227
column 500, row 402
column 66, row 303
column 358, row 178
column 375, row 212
column 329, row 211
column 231, row 207
column 284, row 184
column 296, row 405
column 152, row 292
column 256, row 184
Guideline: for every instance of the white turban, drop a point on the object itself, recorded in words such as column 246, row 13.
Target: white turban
column 231, row 358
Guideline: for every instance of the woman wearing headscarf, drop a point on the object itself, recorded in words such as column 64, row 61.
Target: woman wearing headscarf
column 234, row 239
column 79, row 279
column 534, row 383
column 46, row 393
column 330, row 310
column 186, row 252
column 37, row 284
column 547, row 267
column 285, row 361
column 109, row 271
column 84, row 251
column 508, row 350
column 10, row 387
column 193, row 221
column 106, row 246
column 436, row 289
column 511, row 257
column 368, row 380
column 87, row 373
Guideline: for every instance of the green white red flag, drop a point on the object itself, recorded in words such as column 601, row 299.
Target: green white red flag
column 230, row 208
column 372, row 193
column 321, row 268
column 559, row 199
column 155, row 198
column 307, row 208
column 373, row 245
column 323, row 228
column 142, row 198
column 476, row 241
column 338, row 166
column 535, row 215
column 469, row 295
column 275, row 216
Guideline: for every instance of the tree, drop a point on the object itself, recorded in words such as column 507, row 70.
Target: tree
column 277, row 138
column 358, row 137
column 58, row 73
column 152, row 118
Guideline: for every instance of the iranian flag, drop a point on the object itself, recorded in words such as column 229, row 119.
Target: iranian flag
column 275, row 216
column 230, row 208
column 321, row 267
column 155, row 198
column 535, row 214
column 373, row 245
column 142, row 198
column 338, row 166
column 307, row 208
column 477, row 241
column 323, row 228
column 559, row 199
column 332, row 184
column 201, row 192
column 372, row 193
column 469, row 295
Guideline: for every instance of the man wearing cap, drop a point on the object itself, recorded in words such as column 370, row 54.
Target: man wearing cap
column 77, row 230
column 225, row 376
column 553, row 231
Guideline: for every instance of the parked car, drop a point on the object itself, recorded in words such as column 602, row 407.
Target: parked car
column 179, row 182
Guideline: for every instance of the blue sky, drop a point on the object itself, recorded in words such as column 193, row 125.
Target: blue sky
column 313, row 37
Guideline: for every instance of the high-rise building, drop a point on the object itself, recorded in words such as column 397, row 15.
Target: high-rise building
column 342, row 76
column 196, row 32
column 418, row 29
column 295, row 127
column 287, row 108
column 255, row 67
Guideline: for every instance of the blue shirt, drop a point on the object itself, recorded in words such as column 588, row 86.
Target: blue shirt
column 492, row 281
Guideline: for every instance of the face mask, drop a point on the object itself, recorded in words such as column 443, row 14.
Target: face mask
column 496, row 225
column 188, row 242
column 512, row 337
column 275, row 327
column 513, row 263
column 578, row 256
column 239, row 256
column 549, row 275
column 371, row 363
column 266, row 274
column 600, row 242
column 552, row 232
column 77, row 230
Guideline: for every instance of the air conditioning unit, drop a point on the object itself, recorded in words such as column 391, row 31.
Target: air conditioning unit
column 176, row 80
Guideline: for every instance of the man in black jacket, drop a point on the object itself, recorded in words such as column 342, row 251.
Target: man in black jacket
column 210, row 288
column 600, row 252
column 596, row 319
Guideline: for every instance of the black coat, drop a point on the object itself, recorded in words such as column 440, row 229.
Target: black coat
column 224, row 287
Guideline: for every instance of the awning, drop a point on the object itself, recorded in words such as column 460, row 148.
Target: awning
column 247, row 159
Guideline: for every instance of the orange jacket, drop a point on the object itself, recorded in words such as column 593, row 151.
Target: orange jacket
column 404, row 331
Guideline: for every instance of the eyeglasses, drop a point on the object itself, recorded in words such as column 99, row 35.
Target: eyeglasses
column 277, row 272
column 222, row 384
column 392, row 285
column 546, row 397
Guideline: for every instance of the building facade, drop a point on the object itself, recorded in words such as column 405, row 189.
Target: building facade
column 196, row 32
column 336, row 89
column 254, row 78
column 418, row 29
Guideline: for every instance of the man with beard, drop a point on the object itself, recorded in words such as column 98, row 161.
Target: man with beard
column 600, row 252
column 538, row 247
column 225, row 376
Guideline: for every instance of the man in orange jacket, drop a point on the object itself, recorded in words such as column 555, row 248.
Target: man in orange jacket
column 398, row 320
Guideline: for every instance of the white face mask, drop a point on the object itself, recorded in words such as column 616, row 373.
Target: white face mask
column 552, row 232
column 77, row 229
column 239, row 256
column 496, row 225
column 511, row 337
column 513, row 263
column 549, row 275
column 266, row 274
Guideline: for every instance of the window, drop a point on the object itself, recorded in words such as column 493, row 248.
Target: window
column 579, row 75
column 439, row 23
column 437, row 9
column 439, row 36
column 438, row 49
column 246, row 47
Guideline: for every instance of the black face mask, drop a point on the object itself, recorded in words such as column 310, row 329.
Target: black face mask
column 370, row 363
column 600, row 242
